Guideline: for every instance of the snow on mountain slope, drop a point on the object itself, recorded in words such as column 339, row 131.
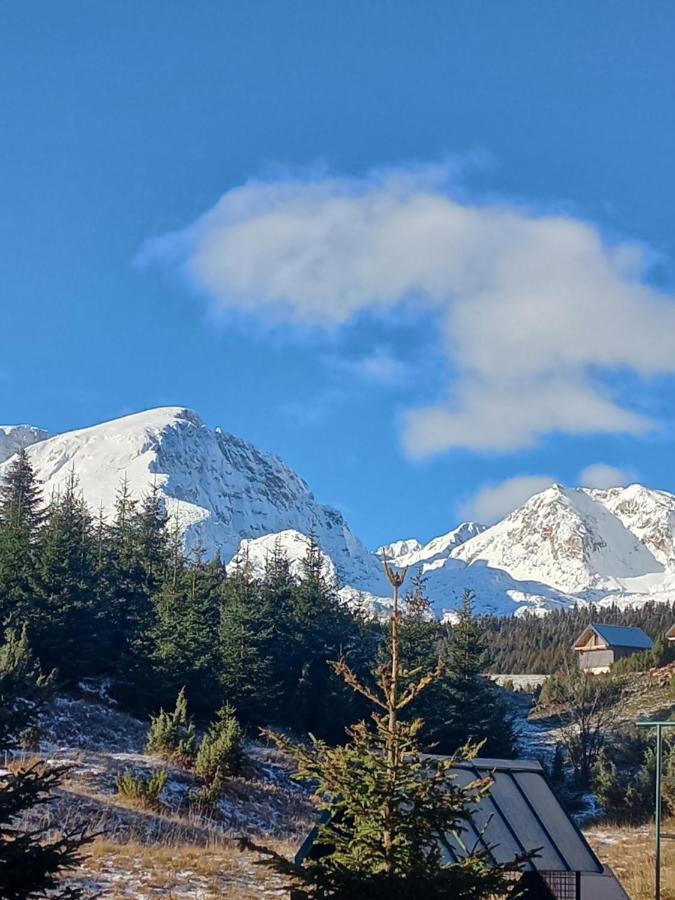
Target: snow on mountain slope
column 15, row 437
column 564, row 546
column 255, row 552
column 648, row 514
column 411, row 552
column 222, row 488
column 566, row 538
column 399, row 550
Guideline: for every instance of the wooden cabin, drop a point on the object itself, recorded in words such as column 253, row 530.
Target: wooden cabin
column 519, row 813
column 598, row 646
column 670, row 634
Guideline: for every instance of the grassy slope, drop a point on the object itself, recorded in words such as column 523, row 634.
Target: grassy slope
column 174, row 850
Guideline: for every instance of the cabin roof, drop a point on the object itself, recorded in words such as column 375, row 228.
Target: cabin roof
column 617, row 636
column 670, row 634
column 520, row 813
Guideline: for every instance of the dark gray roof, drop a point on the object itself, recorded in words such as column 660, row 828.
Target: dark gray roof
column 519, row 814
column 621, row 636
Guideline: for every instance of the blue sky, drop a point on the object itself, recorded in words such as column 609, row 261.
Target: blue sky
column 425, row 251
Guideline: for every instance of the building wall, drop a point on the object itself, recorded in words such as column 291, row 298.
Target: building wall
column 601, row 660
column 596, row 659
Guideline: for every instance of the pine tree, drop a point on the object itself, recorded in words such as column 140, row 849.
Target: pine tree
column 468, row 706
column 64, row 626
column 20, row 518
column 221, row 751
column 24, row 689
column 172, row 735
column 318, row 629
column 387, row 805
column 33, row 861
column 125, row 601
column 245, row 647
column 153, row 538
column 183, row 636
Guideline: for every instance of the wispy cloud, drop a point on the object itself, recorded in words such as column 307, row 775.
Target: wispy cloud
column 379, row 367
column 534, row 311
column 600, row 475
column 494, row 501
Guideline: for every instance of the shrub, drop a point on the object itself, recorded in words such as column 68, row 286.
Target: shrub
column 172, row 735
column 141, row 790
column 208, row 796
column 220, row 752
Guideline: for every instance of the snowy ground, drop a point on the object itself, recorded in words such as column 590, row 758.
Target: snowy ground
column 177, row 850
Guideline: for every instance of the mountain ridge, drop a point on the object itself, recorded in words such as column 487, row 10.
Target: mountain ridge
column 564, row 546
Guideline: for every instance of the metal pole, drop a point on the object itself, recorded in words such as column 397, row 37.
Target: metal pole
column 659, row 726
column 659, row 756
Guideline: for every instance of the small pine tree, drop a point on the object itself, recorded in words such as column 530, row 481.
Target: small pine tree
column 32, row 861
column 20, row 519
column 141, row 790
column 23, row 687
column 64, row 624
column 245, row 648
column 172, row 735
column 221, row 750
column 388, row 805
column 468, row 706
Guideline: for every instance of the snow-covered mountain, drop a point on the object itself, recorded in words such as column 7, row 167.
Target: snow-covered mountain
column 15, row 437
column 411, row 552
column 564, row 546
column 222, row 489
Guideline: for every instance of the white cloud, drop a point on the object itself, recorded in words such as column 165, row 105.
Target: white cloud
column 494, row 501
column 380, row 367
column 600, row 475
column 535, row 312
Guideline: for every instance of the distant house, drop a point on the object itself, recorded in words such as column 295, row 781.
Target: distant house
column 519, row 814
column 670, row 634
column 598, row 646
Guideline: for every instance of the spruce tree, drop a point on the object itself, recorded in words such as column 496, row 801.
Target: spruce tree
column 24, row 689
column 33, row 861
column 245, row 636
column 64, row 627
column 172, row 735
column 31, row 858
column 184, row 634
column 125, row 596
column 20, row 518
column 387, row 806
column 468, row 705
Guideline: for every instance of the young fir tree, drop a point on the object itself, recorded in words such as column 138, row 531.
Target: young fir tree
column 245, row 633
column 31, row 858
column 319, row 629
column 127, row 584
column 33, row 861
column 64, row 629
column 387, row 805
column 172, row 735
column 184, row 646
column 468, row 707
column 20, row 518
column 24, row 689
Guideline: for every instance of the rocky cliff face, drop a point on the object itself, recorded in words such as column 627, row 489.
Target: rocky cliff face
column 16, row 437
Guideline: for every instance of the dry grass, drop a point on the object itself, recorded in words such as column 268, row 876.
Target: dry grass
column 136, row 870
column 630, row 852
